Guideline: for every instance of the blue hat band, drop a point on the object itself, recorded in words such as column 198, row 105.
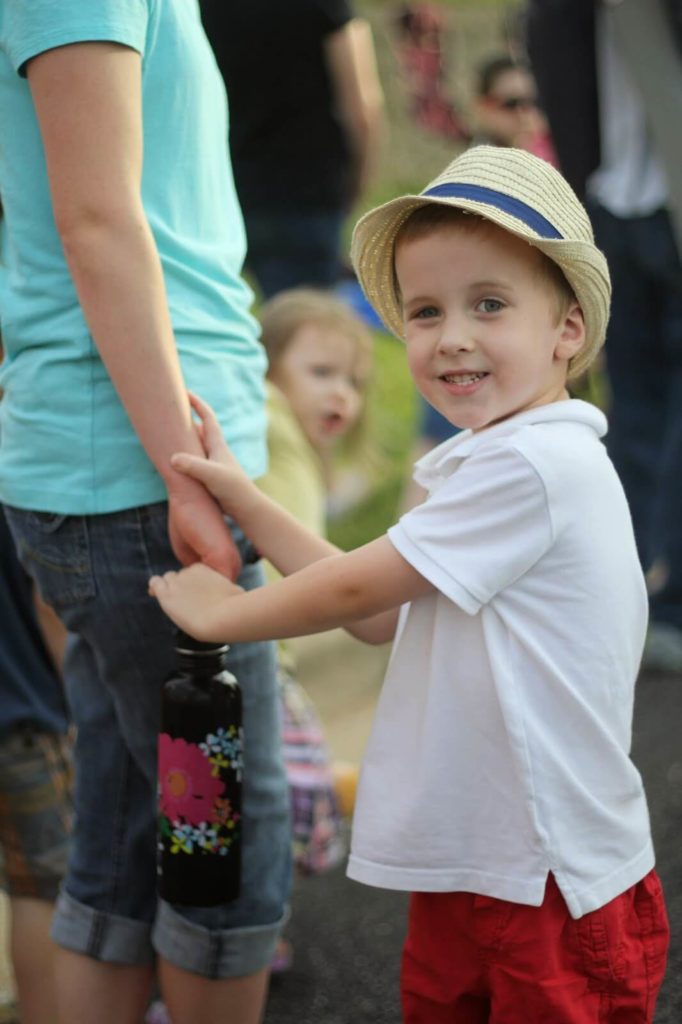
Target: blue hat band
column 507, row 204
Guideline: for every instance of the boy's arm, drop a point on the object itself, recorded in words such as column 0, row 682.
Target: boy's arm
column 280, row 537
column 276, row 534
column 333, row 591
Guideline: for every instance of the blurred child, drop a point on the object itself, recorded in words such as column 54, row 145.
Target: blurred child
column 497, row 785
column 36, row 781
column 319, row 360
column 36, row 804
column 320, row 356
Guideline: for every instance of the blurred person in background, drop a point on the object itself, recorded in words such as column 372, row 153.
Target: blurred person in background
column 36, row 806
column 422, row 52
column 506, row 110
column 617, row 134
column 319, row 362
column 306, row 118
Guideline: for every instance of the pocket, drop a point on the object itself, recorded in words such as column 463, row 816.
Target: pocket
column 599, row 937
column 55, row 551
column 649, row 906
column 623, row 945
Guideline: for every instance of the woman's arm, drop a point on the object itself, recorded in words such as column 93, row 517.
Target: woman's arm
column 87, row 98
column 351, row 61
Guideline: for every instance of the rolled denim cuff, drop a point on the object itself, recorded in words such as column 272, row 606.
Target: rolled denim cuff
column 232, row 953
column 106, row 937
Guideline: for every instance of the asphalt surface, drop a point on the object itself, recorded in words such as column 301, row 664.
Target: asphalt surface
column 347, row 937
column 347, row 940
column 657, row 752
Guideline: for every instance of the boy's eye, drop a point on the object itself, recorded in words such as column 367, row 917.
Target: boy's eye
column 320, row 370
column 425, row 313
column 490, row 306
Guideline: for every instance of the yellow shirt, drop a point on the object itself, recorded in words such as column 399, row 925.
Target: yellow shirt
column 295, row 477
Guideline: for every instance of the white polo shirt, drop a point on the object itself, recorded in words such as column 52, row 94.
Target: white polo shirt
column 500, row 746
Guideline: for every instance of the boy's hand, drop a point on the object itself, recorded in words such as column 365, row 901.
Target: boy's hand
column 192, row 599
column 210, row 434
column 219, row 472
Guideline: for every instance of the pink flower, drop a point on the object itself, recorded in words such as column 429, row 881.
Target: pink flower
column 187, row 788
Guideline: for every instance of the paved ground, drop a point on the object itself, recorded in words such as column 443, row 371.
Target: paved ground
column 348, row 937
column 657, row 751
column 347, row 942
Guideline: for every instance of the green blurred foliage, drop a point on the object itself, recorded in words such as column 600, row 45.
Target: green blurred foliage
column 383, row 458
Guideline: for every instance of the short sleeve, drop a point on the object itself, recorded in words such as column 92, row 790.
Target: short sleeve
column 486, row 526
column 330, row 15
column 31, row 27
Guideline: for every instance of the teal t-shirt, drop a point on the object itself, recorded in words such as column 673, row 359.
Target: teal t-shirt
column 67, row 445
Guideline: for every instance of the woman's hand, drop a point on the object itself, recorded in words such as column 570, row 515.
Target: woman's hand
column 192, row 598
column 198, row 531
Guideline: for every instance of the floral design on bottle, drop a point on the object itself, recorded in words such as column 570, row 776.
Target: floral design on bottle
column 195, row 813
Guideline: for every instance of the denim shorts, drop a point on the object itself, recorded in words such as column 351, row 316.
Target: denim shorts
column 94, row 570
column 36, row 811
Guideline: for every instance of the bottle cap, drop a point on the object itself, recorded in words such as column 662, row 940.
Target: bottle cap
column 189, row 645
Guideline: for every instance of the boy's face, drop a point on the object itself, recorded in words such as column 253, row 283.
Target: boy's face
column 484, row 340
column 323, row 377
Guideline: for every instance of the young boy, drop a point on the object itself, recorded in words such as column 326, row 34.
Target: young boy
column 497, row 785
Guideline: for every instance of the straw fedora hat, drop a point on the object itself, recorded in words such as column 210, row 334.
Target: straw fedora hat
column 517, row 191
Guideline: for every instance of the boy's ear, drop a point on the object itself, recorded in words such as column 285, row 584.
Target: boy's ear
column 572, row 337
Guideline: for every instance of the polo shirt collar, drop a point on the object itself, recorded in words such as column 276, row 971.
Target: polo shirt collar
column 442, row 460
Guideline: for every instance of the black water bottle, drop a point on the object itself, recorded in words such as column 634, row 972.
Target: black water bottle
column 200, row 778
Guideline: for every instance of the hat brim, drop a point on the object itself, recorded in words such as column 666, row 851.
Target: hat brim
column 583, row 265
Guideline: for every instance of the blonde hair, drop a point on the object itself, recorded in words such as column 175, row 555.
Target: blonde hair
column 283, row 315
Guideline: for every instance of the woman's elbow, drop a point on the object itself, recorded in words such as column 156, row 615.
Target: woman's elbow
column 82, row 221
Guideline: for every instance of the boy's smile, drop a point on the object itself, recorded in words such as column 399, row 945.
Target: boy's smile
column 485, row 338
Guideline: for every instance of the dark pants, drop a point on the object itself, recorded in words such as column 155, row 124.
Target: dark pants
column 292, row 248
column 644, row 362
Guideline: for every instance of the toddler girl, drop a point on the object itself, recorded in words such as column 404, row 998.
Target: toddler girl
column 319, row 361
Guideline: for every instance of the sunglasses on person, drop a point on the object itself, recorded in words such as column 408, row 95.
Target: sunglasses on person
column 515, row 102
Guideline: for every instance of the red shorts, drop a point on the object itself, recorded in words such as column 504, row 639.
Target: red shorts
column 477, row 960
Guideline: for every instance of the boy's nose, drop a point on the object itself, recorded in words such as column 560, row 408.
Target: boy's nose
column 455, row 338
